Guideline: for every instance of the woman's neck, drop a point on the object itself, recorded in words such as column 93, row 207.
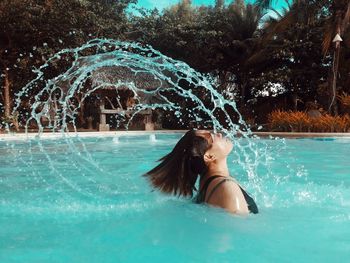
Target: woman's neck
column 218, row 167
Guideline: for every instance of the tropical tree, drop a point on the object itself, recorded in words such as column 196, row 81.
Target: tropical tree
column 213, row 39
column 31, row 31
column 336, row 25
column 291, row 49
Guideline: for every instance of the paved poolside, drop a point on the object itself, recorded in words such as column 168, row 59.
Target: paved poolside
column 52, row 135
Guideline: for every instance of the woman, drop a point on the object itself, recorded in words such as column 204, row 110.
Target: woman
column 205, row 154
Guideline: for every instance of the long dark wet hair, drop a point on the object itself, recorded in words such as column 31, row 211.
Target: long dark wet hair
column 178, row 171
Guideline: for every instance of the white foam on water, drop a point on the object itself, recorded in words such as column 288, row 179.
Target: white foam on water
column 116, row 140
column 152, row 138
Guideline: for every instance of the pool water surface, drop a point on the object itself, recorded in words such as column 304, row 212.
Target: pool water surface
column 85, row 200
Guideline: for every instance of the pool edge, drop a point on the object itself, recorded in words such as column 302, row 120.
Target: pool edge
column 48, row 135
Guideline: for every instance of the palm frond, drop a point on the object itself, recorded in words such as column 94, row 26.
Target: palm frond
column 279, row 15
column 333, row 23
column 265, row 4
column 256, row 58
column 328, row 36
column 346, row 19
column 278, row 27
column 288, row 4
column 285, row 10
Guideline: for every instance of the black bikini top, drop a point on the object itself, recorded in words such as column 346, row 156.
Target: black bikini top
column 200, row 198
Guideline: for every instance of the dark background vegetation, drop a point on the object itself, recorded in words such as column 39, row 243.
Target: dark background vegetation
column 246, row 50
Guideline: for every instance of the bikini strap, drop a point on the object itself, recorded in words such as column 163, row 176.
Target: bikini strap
column 207, row 182
column 252, row 207
column 217, row 186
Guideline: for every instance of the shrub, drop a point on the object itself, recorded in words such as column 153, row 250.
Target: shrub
column 344, row 99
column 277, row 121
column 298, row 121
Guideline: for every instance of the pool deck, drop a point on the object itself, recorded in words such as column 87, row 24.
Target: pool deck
column 52, row 135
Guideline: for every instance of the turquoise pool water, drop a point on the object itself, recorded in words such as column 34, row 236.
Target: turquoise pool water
column 84, row 200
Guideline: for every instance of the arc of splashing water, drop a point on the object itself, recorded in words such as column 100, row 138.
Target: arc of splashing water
column 152, row 65
column 139, row 60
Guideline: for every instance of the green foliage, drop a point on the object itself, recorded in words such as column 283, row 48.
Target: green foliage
column 213, row 39
column 56, row 24
column 293, row 51
column 32, row 31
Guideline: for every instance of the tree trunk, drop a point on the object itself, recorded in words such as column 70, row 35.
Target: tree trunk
column 7, row 97
column 295, row 101
column 333, row 107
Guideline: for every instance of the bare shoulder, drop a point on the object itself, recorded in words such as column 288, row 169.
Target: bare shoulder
column 229, row 196
column 228, row 188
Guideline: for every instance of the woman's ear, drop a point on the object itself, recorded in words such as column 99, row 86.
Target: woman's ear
column 209, row 157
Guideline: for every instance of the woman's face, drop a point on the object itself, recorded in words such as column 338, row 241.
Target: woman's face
column 219, row 146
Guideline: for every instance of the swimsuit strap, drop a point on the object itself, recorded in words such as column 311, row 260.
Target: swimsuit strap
column 217, row 186
column 252, row 207
column 208, row 181
column 202, row 192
